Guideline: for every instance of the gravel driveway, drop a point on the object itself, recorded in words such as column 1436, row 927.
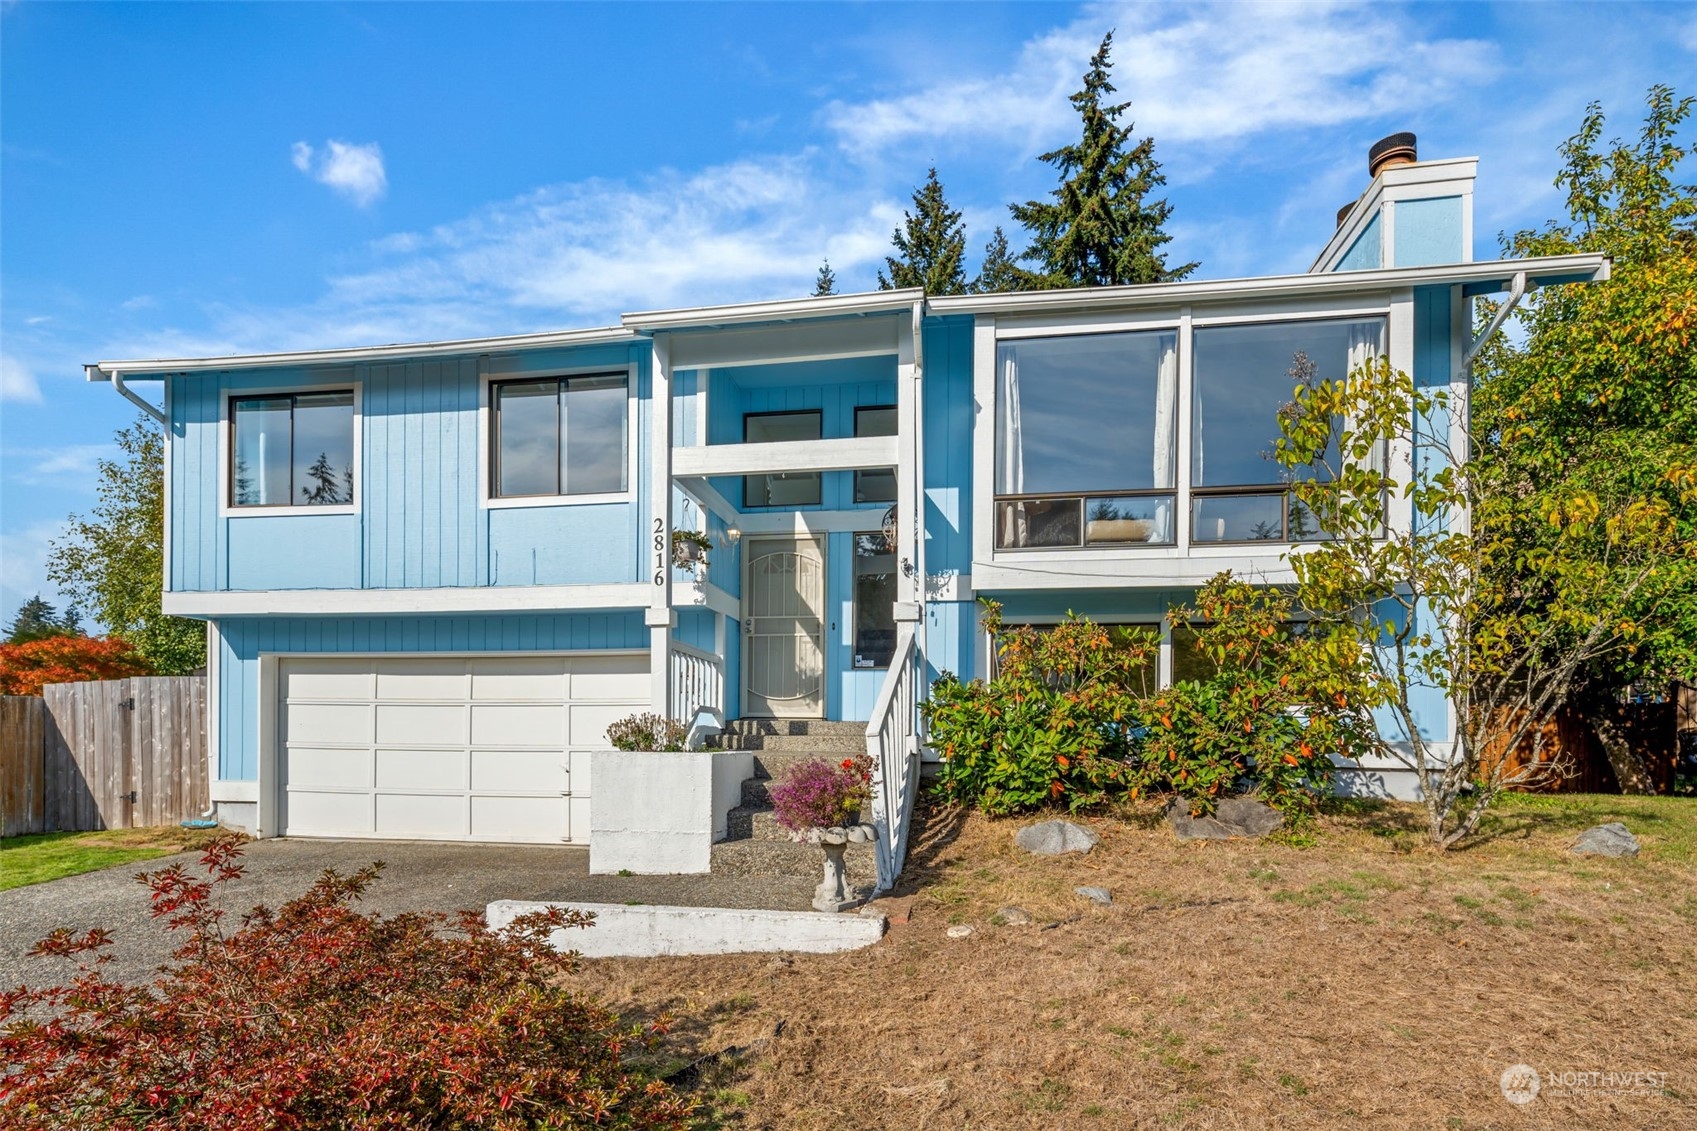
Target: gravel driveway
column 418, row 876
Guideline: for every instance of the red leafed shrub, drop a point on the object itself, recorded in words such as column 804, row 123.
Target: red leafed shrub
column 25, row 668
column 318, row 1016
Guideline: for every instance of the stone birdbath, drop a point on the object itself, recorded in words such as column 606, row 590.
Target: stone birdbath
column 833, row 892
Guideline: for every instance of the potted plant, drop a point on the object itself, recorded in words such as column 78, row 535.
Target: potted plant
column 819, row 803
column 689, row 549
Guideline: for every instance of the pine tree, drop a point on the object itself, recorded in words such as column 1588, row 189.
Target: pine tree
column 931, row 243
column 825, row 283
column 328, row 489
column 999, row 272
column 38, row 620
column 1101, row 229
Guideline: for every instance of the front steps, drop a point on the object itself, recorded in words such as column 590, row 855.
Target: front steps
column 755, row 844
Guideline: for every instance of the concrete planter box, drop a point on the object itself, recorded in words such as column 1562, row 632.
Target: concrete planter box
column 654, row 813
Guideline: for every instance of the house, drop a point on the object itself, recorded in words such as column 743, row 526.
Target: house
column 433, row 574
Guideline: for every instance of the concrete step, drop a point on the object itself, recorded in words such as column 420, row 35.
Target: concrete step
column 788, row 860
column 841, row 744
column 757, row 790
column 754, row 822
column 792, row 727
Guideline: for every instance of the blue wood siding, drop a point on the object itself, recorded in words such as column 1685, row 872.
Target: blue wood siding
column 951, row 630
column 1365, row 253
column 244, row 639
column 421, row 522
column 948, row 413
column 1428, row 231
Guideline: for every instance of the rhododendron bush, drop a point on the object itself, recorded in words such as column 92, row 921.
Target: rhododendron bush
column 26, row 668
column 317, row 1016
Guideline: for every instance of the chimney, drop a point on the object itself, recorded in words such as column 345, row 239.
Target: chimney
column 1396, row 149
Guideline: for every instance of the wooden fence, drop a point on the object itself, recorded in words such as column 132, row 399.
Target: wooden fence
column 109, row 754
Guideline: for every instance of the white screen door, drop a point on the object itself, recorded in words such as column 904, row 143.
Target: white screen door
column 784, row 628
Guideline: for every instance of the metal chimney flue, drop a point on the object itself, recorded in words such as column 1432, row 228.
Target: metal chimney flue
column 1396, row 149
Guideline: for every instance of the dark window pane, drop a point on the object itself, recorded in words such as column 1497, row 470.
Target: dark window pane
column 877, row 486
column 262, row 457
column 527, row 422
column 1094, row 412
column 324, row 449
column 595, row 456
column 874, row 602
column 1237, row 518
column 1140, row 520
column 1245, row 374
column 791, row 489
column 1038, row 522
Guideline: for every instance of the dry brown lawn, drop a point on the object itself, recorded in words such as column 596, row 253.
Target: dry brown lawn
column 1345, row 978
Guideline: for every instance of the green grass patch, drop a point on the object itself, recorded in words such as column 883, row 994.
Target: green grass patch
column 36, row 859
column 1667, row 825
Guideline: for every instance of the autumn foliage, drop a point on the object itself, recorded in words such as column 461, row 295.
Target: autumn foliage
column 26, row 668
column 318, row 1016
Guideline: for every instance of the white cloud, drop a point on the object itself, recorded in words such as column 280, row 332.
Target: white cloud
column 139, row 302
column 1194, row 73
column 73, row 464
column 355, row 171
column 23, row 566
column 17, row 383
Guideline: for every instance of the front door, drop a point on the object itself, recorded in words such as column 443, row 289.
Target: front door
column 784, row 628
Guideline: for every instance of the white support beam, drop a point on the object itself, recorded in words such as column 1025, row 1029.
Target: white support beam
column 404, row 602
column 847, row 454
column 657, row 561
column 860, row 520
column 771, row 345
column 709, row 496
column 908, row 498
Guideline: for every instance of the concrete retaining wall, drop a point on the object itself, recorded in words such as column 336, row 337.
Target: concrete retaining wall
column 644, row 932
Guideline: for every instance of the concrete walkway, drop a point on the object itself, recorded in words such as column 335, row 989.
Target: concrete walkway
column 417, row 876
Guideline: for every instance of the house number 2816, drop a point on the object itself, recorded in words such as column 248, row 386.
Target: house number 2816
column 659, row 551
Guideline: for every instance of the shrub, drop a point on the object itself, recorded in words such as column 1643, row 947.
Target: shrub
column 647, row 731
column 316, row 1016
column 26, row 668
column 818, row 795
column 1058, row 724
column 1279, row 703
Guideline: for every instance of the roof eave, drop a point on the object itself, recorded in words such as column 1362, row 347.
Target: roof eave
column 777, row 310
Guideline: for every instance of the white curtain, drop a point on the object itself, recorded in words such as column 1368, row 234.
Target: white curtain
column 1366, row 343
column 1166, row 413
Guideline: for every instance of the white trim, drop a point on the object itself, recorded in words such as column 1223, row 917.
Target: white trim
column 983, row 438
column 391, row 602
column 1167, row 571
column 862, row 520
column 1184, row 391
column 951, row 586
column 268, row 717
column 488, row 377
column 214, row 713
column 778, row 310
column 165, row 531
column 657, row 542
column 772, row 345
column 1419, row 180
column 323, row 381
column 400, row 351
column 848, row 453
column 1387, row 233
column 234, row 790
column 709, row 497
column 705, row 595
column 1270, row 287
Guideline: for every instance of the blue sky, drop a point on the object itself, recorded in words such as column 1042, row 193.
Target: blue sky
column 183, row 180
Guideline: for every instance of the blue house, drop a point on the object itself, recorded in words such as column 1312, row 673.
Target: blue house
column 433, row 574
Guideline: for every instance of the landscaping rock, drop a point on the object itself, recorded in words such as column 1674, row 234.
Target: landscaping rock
column 1014, row 917
column 959, row 931
column 1056, row 838
column 1233, row 817
column 1098, row 896
column 1612, row 839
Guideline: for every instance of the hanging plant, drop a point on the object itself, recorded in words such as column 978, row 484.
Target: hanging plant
column 689, row 549
column 889, row 525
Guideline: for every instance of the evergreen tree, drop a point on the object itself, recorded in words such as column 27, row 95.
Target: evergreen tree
column 999, row 272
column 328, row 487
column 825, row 283
column 1101, row 229
column 931, row 243
column 38, row 620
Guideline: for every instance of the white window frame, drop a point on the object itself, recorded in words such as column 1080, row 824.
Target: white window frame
column 322, row 381
column 489, row 376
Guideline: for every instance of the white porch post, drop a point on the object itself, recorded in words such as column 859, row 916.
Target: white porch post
column 658, row 558
column 910, row 496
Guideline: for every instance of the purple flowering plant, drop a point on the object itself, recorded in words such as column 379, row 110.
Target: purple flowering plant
column 818, row 795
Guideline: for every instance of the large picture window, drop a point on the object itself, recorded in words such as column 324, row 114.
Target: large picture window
column 874, row 601
column 562, row 436
column 292, row 450
column 1243, row 377
column 876, row 485
column 782, row 489
column 1085, row 440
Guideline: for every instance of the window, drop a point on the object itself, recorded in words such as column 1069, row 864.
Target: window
column 562, row 436
column 1085, row 440
column 293, row 450
column 879, row 485
column 1243, row 377
column 874, row 601
column 786, row 488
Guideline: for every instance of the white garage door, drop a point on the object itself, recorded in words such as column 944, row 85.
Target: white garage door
column 477, row 748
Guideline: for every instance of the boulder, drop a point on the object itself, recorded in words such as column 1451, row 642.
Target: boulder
column 1014, row 917
column 959, row 931
column 1233, row 817
column 1099, row 896
column 1055, row 838
column 1612, row 839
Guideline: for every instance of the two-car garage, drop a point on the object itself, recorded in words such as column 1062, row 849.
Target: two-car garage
column 486, row 748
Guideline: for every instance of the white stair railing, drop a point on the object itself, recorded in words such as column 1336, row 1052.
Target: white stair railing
column 892, row 741
column 698, row 681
